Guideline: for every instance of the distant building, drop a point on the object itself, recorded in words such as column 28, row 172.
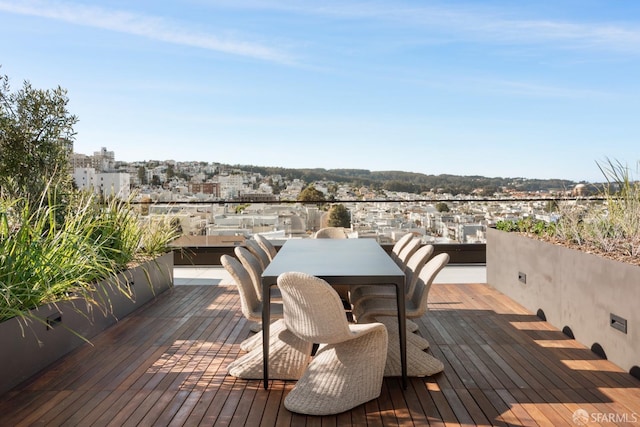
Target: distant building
column 230, row 185
column 111, row 184
column 257, row 197
column 85, row 178
column 582, row 190
column 104, row 161
column 212, row 188
column 78, row 160
column 114, row 184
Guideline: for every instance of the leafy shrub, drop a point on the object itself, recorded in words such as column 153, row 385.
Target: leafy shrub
column 527, row 225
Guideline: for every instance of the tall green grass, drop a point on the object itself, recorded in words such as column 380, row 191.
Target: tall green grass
column 52, row 251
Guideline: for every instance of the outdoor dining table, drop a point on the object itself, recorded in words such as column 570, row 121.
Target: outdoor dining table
column 339, row 262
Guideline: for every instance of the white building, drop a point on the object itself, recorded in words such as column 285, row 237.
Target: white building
column 85, row 178
column 103, row 160
column 112, row 184
column 230, row 185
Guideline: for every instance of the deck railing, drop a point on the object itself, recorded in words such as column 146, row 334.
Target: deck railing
column 213, row 228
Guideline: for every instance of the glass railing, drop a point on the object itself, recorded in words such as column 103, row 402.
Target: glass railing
column 459, row 222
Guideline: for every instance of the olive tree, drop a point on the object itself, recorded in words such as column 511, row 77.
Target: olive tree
column 36, row 139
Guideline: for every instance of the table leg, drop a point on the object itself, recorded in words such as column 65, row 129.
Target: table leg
column 266, row 315
column 402, row 331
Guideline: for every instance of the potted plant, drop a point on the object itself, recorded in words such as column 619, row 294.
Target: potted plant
column 68, row 271
column 581, row 273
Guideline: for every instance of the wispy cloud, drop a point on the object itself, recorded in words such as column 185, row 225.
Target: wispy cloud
column 535, row 90
column 466, row 22
column 151, row 27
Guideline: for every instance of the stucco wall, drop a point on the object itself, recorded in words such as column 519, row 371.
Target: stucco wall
column 574, row 289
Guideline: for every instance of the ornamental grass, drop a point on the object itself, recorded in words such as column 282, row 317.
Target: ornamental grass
column 54, row 251
column 609, row 228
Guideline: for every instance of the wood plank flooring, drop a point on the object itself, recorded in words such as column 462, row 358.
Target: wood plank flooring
column 165, row 365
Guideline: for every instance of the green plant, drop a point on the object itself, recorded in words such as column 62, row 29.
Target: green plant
column 156, row 237
column 610, row 228
column 623, row 206
column 527, row 225
column 42, row 262
column 339, row 216
column 53, row 252
column 36, row 131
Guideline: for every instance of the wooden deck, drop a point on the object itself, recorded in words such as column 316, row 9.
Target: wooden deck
column 165, row 365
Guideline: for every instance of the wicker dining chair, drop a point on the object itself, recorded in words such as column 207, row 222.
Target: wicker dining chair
column 414, row 265
column 409, row 249
column 266, row 245
column 348, row 368
column 331, row 233
column 250, row 304
column 253, row 266
column 288, row 354
column 400, row 244
column 257, row 250
column 419, row 363
column 416, row 306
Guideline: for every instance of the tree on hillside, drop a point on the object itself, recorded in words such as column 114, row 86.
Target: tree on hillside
column 442, row 207
column 311, row 194
column 142, row 175
column 171, row 172
column 339, row 216
column 36, row 137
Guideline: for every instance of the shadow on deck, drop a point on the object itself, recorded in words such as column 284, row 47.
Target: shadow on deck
column 166, row 365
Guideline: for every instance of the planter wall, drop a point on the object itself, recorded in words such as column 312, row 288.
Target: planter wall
column 576, row 291
column 29, row 349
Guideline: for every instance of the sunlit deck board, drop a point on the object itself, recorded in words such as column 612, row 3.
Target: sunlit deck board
column 166, row 365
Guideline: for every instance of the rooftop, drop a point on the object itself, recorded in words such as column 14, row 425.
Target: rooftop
column 166, row 365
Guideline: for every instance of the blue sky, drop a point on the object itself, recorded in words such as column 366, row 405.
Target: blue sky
column 535, row 89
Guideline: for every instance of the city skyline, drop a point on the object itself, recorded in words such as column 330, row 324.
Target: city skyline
column 545, row 90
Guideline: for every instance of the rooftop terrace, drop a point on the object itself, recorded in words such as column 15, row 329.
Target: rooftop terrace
column 166, row 365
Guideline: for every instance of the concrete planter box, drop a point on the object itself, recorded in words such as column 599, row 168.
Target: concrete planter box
column 590, row 297
column 27, row 349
